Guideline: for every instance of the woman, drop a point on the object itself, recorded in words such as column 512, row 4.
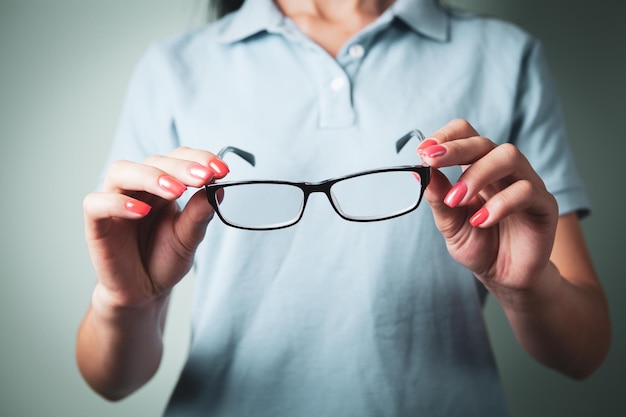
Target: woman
column 332, row 317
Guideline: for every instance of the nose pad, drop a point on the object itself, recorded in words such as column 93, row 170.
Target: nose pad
column 319, row 210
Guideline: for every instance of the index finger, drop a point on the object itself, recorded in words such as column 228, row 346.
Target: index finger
column 454, row 130
column 205, row 158
column 456, row 143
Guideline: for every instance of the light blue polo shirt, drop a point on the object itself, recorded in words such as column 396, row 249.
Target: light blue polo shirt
column 329, row 317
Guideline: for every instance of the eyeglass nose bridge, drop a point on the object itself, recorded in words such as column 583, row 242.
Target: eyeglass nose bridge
column 323, row 187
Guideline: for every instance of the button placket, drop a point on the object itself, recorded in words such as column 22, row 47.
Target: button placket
column 336, row 107
column 336, row 100
column 356, row 51
column 334, row 78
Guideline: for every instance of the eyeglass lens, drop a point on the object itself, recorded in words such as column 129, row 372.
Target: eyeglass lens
column 261, row 205
column 377, row 195
column 368, row 197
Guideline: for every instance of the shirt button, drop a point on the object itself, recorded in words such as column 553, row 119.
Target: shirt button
column 356, row 51
column 337, row 83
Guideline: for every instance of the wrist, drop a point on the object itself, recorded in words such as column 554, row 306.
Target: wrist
column 542, row 289
column 119, row 346
column 108, row 305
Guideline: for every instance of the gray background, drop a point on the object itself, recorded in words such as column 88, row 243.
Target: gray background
column 64, row 66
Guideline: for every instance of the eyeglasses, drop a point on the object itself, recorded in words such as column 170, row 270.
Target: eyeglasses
column 367, row 196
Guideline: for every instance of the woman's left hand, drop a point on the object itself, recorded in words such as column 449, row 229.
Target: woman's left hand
column 498, row 219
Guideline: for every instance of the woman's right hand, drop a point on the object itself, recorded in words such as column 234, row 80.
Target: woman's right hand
column 140, row 241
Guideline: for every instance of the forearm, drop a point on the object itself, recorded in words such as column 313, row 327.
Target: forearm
column 119, row 349
column 562, row 325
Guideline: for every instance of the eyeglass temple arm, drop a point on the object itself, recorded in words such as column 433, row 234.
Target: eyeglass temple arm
column 406, row 138
column 247, row 156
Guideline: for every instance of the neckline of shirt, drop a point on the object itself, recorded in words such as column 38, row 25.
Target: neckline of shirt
column 426, row 17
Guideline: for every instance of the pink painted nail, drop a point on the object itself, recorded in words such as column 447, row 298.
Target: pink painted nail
column 219, row 167
column 201, row 172
column 138, row 207
column 433, row 151
column 425, row 144
column 479, row 217
column 456, row 194
column 172, row 185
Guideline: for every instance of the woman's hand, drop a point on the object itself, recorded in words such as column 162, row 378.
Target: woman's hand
column 501, row 223
column 498, row 219
column 141, row 244
column 140, row 241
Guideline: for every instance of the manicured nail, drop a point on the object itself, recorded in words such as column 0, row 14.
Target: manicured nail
column 456, row 194
column 219, row 167
column 172, row 185
column 425, row 144
column 201, row 172
column 138, row 207
column 480, row 217
column 433, row 151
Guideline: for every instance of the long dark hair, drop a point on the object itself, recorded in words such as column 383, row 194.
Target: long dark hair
column 219, row 8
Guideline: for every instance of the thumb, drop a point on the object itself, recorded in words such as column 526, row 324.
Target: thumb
column 193, row 220
column 448, row 220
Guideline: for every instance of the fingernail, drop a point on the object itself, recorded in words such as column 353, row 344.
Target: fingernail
column 219, row 167
column 426, row 144
column 480, row 217
column 201, row 172
column 456, row 194
column 172, row 185
column 138, row 207
column 433, row 151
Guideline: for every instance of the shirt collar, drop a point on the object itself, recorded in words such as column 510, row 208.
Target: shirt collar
column 423, row 16
column 253, row 17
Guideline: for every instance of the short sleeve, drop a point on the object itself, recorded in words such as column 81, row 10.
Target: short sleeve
column 146, row 126
column 539, row 132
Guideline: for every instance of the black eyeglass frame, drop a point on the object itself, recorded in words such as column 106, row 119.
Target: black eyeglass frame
column 308, row 188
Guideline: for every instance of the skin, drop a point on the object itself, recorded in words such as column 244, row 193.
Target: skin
column 331, row 23
column 138, row 258
column 534, row 262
